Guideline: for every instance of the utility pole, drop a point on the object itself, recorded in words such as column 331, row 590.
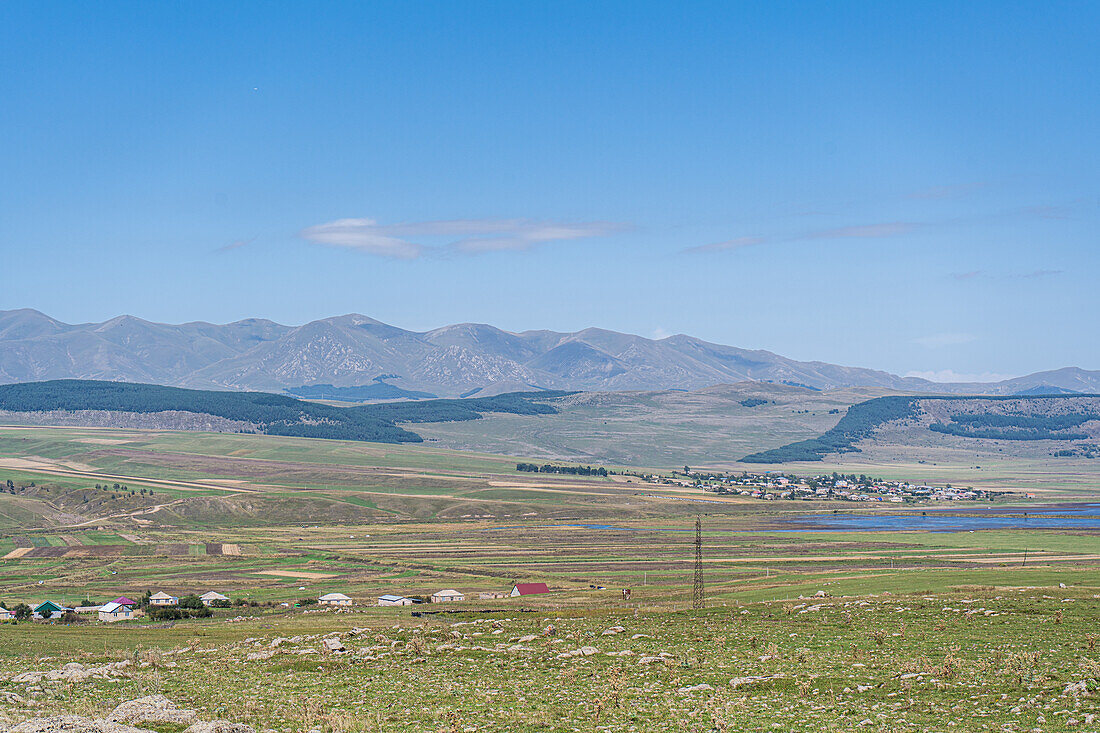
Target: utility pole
column 697, row 600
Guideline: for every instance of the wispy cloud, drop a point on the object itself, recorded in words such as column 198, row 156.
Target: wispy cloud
column 235, row 245
column 940, row 340
column 946, row 192
column 1037, row 274
column 969, row 275
column 950, row 375
column 858, row 231
column 738, row 243
column 466, row 236
column 889, row 229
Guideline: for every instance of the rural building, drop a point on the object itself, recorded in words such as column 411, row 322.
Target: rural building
column 163, row 599
column 528, row 589
column 335, row 599
column 445, row 596
column 50, row 610
column 111, row 612
column 124, row 601
column 490, row 595
column 209, row 597
column 5, row 614
column 391, row 600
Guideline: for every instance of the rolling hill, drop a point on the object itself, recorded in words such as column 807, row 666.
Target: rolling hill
column 460, row 360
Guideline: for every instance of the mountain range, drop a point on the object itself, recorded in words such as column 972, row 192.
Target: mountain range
column 460, row 360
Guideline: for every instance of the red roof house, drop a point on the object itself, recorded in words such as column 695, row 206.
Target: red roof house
column 528, row 589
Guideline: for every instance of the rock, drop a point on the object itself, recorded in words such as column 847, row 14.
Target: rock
column 262, row 654
column 526, row 639
column 333, row 645
column 821, row 594
column 219, row 726
column 1077, row 688
column 704, row 687
column 151, row 709
column 641, row 636
column 73, row 724
column 588, row 651
column 746, row 681
column 650, row 660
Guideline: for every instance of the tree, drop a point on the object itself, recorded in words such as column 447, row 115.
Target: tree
column 191, row 601
column 22, row 612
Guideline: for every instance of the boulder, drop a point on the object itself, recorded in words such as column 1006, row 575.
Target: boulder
column 151, row 709
column 73, row 724
column 220, row 726
column 704, row 687
column 333, row 644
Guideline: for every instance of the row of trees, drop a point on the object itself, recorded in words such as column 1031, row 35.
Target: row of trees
column 571, row 470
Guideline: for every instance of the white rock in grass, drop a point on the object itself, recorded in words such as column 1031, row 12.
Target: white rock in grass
column 151, row 709
column 220, row 726
column 704, row 687
column 73, row 724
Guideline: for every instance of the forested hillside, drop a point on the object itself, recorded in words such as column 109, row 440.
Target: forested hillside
column 266, row 413
column 1017, row 418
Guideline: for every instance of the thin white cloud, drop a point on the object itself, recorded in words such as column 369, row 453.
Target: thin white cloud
column 738, row 243
column 950, row 375
column 465, row 236
column 235, row 245
column 1036, row 274
column 888, row 229
column 969, row 275
column 946, row 192
column 940, row 340
column 859, row 231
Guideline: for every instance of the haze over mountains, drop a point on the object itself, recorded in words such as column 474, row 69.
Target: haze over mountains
column 459, row 360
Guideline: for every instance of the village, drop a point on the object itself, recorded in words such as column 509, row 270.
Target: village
column 161, row 606
column 775, row 485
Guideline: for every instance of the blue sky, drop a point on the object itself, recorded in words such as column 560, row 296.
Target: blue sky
column 913, row 187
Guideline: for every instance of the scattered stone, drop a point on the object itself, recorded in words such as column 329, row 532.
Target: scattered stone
column 219, row 726
column 73, row 724
column 333, row 644
column 151, row 709
column 704, row 687
column 1077, row 688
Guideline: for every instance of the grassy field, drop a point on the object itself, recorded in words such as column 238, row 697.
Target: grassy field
column 915, row 630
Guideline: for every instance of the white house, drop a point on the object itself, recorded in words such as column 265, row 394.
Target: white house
column 163, row 599
column 447, row 595
column 335, row 599
column 111, row 612
column 5, row 614
column 209, row 597
column 391, row 600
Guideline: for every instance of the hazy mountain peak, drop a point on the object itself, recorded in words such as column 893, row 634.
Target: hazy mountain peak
column 463, row 358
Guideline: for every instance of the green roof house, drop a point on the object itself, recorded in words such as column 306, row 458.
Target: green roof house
column 49, row 610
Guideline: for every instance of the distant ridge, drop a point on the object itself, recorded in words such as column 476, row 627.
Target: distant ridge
column 355, row 351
